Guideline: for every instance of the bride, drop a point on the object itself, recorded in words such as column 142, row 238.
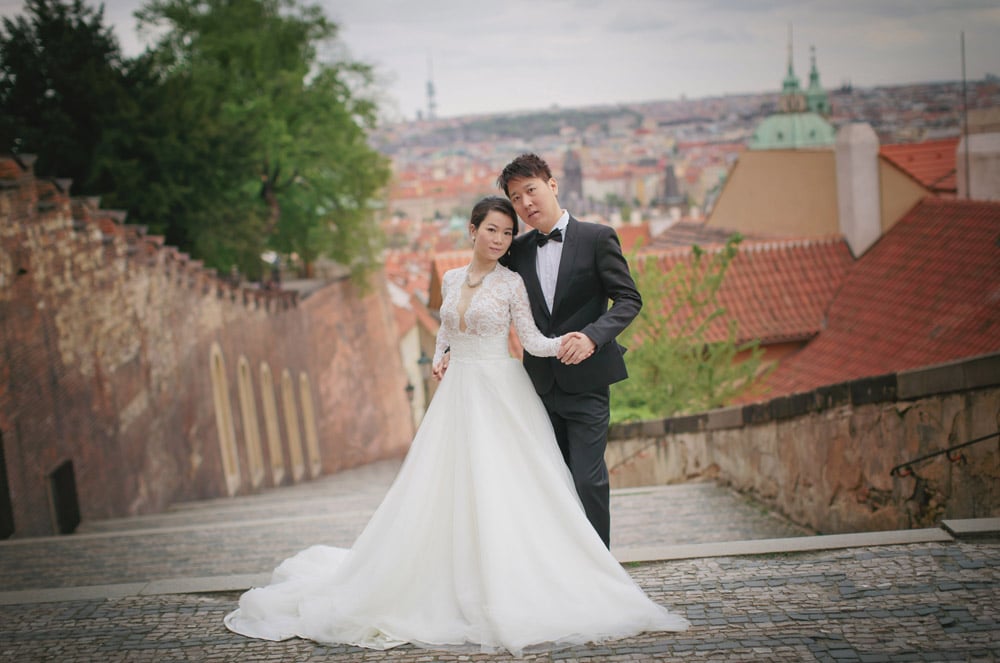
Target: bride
column 481, row 539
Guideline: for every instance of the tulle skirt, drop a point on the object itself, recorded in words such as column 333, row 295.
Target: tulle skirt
column 481, row 540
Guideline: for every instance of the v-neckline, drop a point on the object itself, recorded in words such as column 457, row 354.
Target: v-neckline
column 462, row 326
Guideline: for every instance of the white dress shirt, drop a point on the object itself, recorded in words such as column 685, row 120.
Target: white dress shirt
column 547, row 262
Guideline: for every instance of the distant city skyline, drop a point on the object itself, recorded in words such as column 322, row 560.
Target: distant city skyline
column 522, row 56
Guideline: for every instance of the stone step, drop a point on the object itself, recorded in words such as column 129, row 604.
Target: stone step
column 242, row 582
column 787, row 545
column 973, row 528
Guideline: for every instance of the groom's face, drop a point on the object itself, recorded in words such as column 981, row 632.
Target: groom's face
column 535, row 201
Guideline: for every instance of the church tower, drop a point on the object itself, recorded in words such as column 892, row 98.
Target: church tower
column 571, row 184
column 792, row 99
column 800, row 122
column 816, row 98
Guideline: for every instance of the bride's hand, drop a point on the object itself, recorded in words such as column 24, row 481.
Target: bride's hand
column 437, row 371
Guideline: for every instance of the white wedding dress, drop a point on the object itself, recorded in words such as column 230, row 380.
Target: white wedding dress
column 481, row 539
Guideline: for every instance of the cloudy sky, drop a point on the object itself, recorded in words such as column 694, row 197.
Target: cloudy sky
column 526, row 55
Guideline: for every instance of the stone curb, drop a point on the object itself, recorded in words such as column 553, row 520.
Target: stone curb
column 235, row 583
column 788, row 545
column 972, row 527
column 154, row 531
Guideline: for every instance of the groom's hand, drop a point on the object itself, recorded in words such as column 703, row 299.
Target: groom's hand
column 575, row 347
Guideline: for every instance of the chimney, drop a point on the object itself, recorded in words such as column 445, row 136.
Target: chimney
column 858, row 186
column 983, row 179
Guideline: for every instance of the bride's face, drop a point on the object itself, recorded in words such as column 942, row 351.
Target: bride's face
column 493, row 236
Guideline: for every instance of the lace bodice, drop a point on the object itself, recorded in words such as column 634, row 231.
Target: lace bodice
column 500, row 300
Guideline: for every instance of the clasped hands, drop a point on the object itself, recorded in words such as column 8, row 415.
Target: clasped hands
column 573, row 348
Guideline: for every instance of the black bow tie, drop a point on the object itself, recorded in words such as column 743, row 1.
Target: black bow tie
column 555, row 236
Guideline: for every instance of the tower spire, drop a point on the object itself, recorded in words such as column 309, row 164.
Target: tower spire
column 431, row 102
column 791, row 83
column 791, row 71
column 815, row 95
column 813, row 71
column 792, row 100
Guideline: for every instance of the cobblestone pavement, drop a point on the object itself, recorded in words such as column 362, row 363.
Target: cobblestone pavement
column 258, row 531
column 916, row 602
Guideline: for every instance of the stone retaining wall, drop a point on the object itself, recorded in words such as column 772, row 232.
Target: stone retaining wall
column 823, row 458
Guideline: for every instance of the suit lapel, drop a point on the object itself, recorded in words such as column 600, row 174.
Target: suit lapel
column 567, row 259
column 529, row 272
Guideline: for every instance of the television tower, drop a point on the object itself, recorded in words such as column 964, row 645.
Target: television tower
column 431, row 103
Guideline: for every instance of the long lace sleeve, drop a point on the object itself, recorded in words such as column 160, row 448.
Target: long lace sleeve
column 520, row 312
column 441, row 342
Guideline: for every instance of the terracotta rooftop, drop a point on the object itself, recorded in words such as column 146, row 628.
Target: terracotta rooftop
column 630, row 236
column 927, row 292
column 424, row 317
column 405, row 319
column 686, row 233
column 777, row 291
column 440, row 264
column 932, row 162
column 9, row 168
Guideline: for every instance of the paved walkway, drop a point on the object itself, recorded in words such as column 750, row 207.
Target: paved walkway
column 755, row 587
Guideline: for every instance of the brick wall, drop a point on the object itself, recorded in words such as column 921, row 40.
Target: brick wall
column 106, row 337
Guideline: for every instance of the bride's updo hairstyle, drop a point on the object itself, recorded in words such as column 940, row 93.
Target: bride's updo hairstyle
column 497, row 204
column 493, row 204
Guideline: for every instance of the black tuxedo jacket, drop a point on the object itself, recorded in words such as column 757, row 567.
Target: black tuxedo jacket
column 592, row 270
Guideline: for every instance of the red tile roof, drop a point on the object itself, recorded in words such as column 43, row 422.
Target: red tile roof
column 424, row 317
column 440, row 264
column 10, row 168
column 777, row 291
column 688, row 232
column 927, row 292
column 932, row 162
column 405, row 320
column 630, row 236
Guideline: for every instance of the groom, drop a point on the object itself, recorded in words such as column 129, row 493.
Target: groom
column 571, row 269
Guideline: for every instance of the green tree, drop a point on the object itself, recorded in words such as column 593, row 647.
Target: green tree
column 286, row 134
column 62, row 81
column 675, row 365
column 175, row 168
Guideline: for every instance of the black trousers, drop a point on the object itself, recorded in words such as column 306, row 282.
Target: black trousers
column 581, row 426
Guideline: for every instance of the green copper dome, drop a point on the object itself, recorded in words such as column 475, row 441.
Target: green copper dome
column 791, row 131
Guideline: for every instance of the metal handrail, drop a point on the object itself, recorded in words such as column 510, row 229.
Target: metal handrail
column 904, row 469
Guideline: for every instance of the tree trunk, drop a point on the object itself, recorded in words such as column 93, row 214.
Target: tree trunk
column 269, row 192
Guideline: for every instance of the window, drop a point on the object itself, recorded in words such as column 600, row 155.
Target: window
column 292, row 426
column 309, row 419
column 224, row 421
column 251, row 429
column 6, row 505
column 62, row 493
column 271, row 424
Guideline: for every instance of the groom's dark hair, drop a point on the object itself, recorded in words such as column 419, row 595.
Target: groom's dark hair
column 523, row 167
